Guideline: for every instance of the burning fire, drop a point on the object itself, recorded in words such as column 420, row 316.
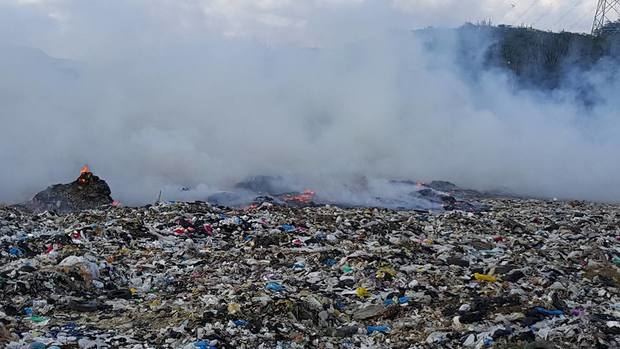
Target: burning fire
column 84, row 175
column 304, row 198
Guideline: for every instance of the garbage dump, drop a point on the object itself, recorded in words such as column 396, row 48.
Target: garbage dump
column 86, row 192
column 518, row 274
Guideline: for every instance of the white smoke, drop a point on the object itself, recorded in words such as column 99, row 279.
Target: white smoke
column 154, row 94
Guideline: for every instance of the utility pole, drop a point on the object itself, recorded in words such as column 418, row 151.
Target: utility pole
column 606, row 17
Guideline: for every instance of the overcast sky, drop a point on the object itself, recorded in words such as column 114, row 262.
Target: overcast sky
column 67, row 27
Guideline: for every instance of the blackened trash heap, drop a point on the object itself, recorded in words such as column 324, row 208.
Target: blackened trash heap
column 521, row 274
column 86, row 192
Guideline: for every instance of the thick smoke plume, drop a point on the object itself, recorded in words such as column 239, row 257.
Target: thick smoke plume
column 155, row 97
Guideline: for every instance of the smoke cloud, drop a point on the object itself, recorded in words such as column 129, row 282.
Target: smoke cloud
column 160, row 94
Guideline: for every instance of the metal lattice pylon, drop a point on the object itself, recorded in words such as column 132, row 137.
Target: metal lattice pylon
column 606, row 17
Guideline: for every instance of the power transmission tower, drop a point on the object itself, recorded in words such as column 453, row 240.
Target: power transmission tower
column 606, row 17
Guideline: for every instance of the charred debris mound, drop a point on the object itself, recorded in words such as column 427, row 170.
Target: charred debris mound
column 87, row 192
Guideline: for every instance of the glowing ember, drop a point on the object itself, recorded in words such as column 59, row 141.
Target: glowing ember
column 251, row 207
column 85, row 175
column 304, row 198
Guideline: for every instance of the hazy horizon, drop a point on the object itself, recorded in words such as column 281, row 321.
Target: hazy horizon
column 205, row 93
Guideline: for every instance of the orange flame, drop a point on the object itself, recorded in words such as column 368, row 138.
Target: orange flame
column 304, row 198
column 85, row 169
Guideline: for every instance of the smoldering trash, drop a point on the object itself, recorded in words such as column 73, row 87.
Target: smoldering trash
column 86, row 192
column 292, row 269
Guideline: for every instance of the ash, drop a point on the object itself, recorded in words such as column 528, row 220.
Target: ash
column 520, row 274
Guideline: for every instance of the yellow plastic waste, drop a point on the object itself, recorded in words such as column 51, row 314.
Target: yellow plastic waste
column 385, row 271
column 484, row 277
column 234, row 308
column 154, row 304
column 362, row 292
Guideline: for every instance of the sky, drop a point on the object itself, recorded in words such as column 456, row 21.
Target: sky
column 159, row 94
column 59, row 25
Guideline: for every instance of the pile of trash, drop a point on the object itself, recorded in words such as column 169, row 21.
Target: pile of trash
column 521, row 274
column 86, row 192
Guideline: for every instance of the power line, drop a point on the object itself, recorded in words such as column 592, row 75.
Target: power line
column 578, row 21
column 567, row 12
column 526, row 11
column 562, row 17
column 539, row 18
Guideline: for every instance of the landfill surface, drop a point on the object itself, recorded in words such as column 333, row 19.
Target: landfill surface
column 519, row 274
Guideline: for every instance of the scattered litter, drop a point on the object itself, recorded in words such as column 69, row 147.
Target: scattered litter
column 194, row 275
